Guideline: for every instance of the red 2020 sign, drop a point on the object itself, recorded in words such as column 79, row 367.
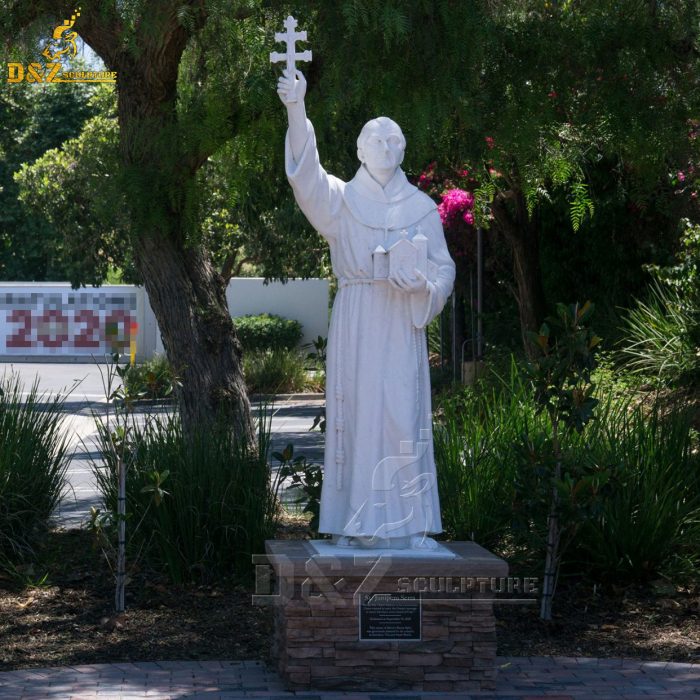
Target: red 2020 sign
column 60, row 323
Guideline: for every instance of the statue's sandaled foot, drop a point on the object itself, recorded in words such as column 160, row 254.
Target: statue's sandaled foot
column 346, row 541
column 422, row 542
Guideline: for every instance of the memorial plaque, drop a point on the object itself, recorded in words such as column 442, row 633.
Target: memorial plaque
column 390, row 617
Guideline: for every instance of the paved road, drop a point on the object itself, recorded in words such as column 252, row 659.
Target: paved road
column 291, row 420
column 84, row 381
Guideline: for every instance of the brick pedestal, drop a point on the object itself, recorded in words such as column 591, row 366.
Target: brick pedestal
column 317, row 631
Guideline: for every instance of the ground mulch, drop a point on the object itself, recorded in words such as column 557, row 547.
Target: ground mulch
column 69, row 619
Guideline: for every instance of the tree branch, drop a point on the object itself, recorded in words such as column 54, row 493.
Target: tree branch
column 101, row 28
column 502, row 216
column 232, row 267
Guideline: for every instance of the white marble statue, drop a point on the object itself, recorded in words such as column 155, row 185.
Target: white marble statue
column 379, row 483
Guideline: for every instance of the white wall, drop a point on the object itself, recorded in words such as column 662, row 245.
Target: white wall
column 52, row 322
column 305, row 301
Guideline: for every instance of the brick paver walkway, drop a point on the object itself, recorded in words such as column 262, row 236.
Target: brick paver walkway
column 520, row 678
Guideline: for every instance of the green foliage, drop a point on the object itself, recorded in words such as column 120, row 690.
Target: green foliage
column 684, row 275
column 483, row 197
column 275, row 371
column 318, row 354
column 306, row 478
column 617, row 107
column 649, row 522
column 662, row 334
column 201, row 516
column 35, row 120
column 629, row 492
column 153, row 379
column 33, row 462
column 581, row 204
column 75, row 189
column 474, row 440
column 662, row 337
column 561, row 374
column 561, row 380
column 267, row 332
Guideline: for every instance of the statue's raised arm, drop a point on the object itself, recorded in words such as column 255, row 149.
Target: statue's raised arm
column 292, row 89
column 318, row 194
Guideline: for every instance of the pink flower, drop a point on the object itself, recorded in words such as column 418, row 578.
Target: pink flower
column 463, row 173
column 455, row 201
column 489, row 141
column 468, row 217
column 681, row 176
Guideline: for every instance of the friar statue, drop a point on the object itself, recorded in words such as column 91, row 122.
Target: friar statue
column 379, row 481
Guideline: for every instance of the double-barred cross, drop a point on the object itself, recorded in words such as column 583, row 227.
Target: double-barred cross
column 290, row 37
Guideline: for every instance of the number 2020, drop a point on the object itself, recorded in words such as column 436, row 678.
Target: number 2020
column 55, row 330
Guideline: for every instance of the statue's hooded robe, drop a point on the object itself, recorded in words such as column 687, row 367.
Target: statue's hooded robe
column 379, row 472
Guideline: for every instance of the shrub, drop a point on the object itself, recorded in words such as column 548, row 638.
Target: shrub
column 664, row 332
column 198, row 506
column 474, row 440
column 275, row 371
column 663, row 336
column 649, row 520
column 633, row 498
column 154, row 379
column 33, row 463
column 267, row 332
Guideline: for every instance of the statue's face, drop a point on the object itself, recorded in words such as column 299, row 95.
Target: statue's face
column 383, row 149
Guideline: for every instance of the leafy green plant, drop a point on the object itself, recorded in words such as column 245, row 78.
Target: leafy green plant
column 318, row 354
column 561, row 381
column 663, row 336
column 153, row 379
column 474, row 437
column 200, row 504
column 267, row 332
column 663, row 332
column 116, row 438
column 33, row 462
column 275, row 371
column 649, row 520
column 308, row 478
column 684, row 275
column 629, row 490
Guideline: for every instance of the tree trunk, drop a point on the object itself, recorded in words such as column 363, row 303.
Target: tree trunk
column 187, row 294
column 551, row 564
column 521, row 234
column 198, row 334
column 528, row 278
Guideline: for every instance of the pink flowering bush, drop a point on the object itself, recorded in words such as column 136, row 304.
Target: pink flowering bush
column 453, row 192
column 456, row 203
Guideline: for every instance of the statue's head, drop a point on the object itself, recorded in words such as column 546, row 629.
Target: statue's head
column 381, row 144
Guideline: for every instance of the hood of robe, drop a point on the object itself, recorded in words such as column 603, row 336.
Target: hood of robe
column 399, row 205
